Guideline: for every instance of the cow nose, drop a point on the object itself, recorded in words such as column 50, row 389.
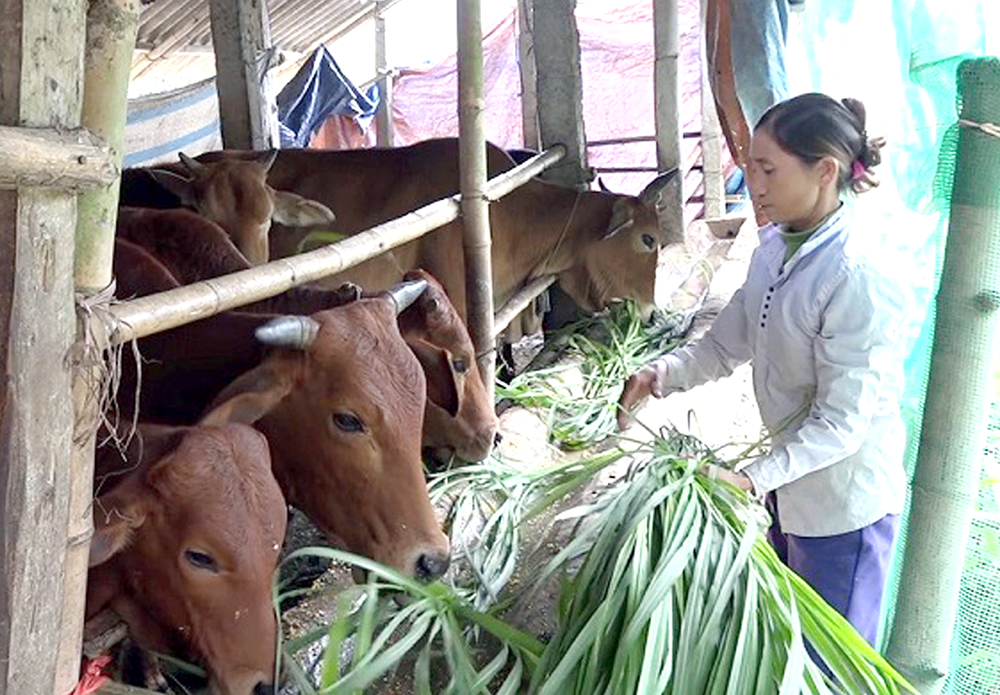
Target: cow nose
column 264, row 689
column 430, row 566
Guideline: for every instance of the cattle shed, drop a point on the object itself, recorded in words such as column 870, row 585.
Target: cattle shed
column 66, row 68
column 64, row 72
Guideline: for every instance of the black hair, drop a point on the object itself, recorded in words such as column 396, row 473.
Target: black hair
column 812, row 126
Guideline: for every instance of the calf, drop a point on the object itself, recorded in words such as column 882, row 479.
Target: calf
column 186, row 541
column 233, row 193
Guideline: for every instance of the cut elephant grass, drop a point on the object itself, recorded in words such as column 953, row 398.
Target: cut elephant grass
column 673, row 590
column 579, row 396
column 680, row 593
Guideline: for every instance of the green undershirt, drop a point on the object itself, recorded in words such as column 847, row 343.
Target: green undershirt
column 793, row 240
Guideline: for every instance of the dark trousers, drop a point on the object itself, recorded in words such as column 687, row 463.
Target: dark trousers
column 848, row 570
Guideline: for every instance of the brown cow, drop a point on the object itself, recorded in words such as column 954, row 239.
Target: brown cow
column 459, row 415
column 340, row 398
column 234, row 194
column 603, row 246
column 187, row 539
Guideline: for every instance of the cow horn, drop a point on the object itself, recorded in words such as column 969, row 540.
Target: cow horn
column 267, row 158
column 404, row 294
column 193, row 166
column 650, row 195
column 289, row 331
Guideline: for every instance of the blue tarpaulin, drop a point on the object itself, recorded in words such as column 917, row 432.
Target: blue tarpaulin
column 320, row 90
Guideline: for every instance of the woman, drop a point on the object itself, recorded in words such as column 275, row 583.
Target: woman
column 821, row 324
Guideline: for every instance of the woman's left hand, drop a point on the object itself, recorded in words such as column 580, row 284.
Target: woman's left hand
column 740, row 480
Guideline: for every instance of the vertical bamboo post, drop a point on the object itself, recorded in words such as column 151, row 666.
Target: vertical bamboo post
column 111, row 32
column 475, row 209
column 955, row 415
column 666, row 98
column 383, row 117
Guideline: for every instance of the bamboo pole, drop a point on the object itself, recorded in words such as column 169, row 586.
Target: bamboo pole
column 475, row 207
column 111, row 32
column 66, row 159
column 666, row 97
column 519, row 302
column 383, row 116
column 955, row 415
column 159, row 312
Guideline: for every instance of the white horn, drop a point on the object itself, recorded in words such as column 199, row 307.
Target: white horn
column 404, row 294
column 289, row 331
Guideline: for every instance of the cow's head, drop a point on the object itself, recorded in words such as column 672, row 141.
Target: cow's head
column 234, row 194
column 459, row 416
column 341, row 401
column 185, row 547
column 622, row 264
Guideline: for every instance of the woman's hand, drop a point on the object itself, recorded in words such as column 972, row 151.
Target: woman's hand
column 637, row 389
column 740, row 480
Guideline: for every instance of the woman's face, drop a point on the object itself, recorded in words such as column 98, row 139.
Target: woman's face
column 786, row 189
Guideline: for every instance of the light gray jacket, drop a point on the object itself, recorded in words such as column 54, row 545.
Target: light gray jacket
column 824, row 333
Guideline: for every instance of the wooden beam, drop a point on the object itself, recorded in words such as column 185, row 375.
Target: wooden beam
column 560, row 89
column 67, row 159
column 242, row 43
column 41, row 54
column 666, row 100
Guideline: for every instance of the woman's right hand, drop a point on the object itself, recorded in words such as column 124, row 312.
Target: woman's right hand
column 637, row 389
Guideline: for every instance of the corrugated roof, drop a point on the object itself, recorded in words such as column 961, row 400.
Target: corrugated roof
column 174, row 42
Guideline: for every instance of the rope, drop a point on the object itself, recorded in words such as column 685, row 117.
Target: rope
column 988, row 128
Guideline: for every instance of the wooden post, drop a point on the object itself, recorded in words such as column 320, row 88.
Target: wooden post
column 529, row 75
column 666, row 95
column 241, row 36
column 956, row 412
column 41, row 51
column 560, row 89
column 475, row 208
column 384, row 136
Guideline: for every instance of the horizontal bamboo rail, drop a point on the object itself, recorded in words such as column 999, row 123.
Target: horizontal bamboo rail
column 519, row 302
column 138, row 318
column 66, row 159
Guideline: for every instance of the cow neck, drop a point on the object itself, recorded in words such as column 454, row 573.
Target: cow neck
column 543, row 267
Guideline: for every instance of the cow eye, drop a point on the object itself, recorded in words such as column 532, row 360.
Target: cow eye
column 649, row 241
column 460, row 365
column 201, row 560
column 348, row 422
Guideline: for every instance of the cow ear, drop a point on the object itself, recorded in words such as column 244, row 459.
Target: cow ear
column 180, row 186
column 652, row 195
column 442, row 389
column 622, row 218
column 293, row 210
column 249, row 398
column 116, row 516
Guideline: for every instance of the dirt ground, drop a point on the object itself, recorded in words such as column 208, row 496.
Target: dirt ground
column 704, row 275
